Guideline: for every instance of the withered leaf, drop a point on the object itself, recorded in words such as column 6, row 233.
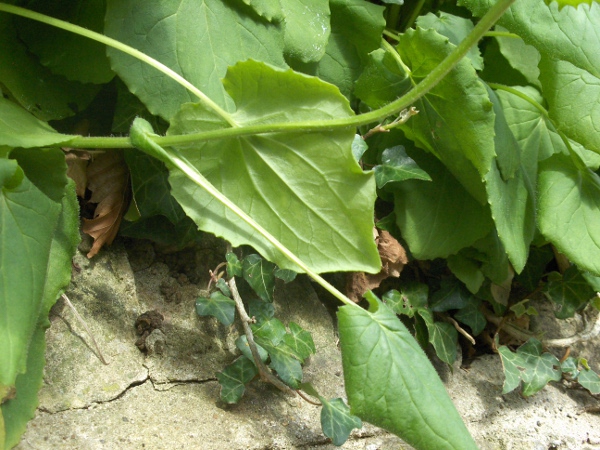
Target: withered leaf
column 393, row 259
column 108, row 180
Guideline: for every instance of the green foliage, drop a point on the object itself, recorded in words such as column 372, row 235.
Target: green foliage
column 261, row 149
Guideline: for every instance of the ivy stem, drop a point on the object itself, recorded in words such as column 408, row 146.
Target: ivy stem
column 429, row 82
column 76, row 29
column 263, row 371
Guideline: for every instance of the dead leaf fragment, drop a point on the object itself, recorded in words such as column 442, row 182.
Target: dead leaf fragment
column 393, row 259
column 108, row 180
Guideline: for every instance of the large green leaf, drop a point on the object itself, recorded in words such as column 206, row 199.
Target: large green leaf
column 520, row 56
column 42, row 93
column 305, row 189
column 197, row 39
column 306, row 28
column 455, row 120
column 569, row 210
column 43, row 268
column 510, row 187
column 391, row 383
column 64, row 53
column 18, row 128
column 356, row 27
column 438, row 218
column 570, row 74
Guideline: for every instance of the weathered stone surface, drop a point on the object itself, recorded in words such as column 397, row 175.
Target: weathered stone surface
column 168, row 398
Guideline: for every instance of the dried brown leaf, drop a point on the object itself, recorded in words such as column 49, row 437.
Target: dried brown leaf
column 108, row 180
column 77, row 163
column 393, row 259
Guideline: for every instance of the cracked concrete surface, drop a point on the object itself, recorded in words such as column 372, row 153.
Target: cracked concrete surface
column 168, row 398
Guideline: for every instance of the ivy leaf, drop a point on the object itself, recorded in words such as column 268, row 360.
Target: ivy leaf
column 451, row 295
column 569, row 291
column 472, row 316
column 259, row 275
column 570, row 368
column 223, row 287
column 569, row 210
column 269, row 332
column 300, row 341
column 466, row 270
column 234, row 265
column 396, row 165
column 589, row 380
column 18, row 128
column 442, row 336
column 198, row 40
column 234, row 378
column 260, row 311
column 380, row 380
column 217, row 305
column 272, row 177
column 242, row 344
column 530, row 365
column 337, row 421
column 412, row 298
column 284, row 361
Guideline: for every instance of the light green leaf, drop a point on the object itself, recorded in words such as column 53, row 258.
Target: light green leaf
column 569, row 291
column 306, row 29
column 285, row 275
column 396, row 165
column 269, row 332
column 569, row 210
column 455, row 28
column 18, row 128
column 217, row 305
column 568, row 42
column 356, row 27
column 242, row 344
column 520, row 56
column 64, row 53
column 234, row 378
column 570, row 368
column 391, row 383
column 269, row 9
column 234, row 265
column 510, row 187
column 337, row 421
column 466, row 270
column 198, row 39
column 274, row 177
column 359, row 147
column 589, row 380
column 259, row 274
column 530, row 365
column 438, row 218
column 300, row 341
column 456, row 120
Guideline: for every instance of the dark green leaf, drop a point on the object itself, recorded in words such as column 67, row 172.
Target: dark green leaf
column 521, row 309
column 442, row 336
column 472, row 316
column 242, row 344
column 234, row 265
column 234, row 378
column 396, row 165
column 284, row 362
column 589, row 380
column 539, row 257
column 18, row 128
column 217, row 305
column 569, row 291
column 409, row 301
column 161, row 230
column 300, row 341
column 438, row 218
column 455, row 29
column 569, row 210
column 64, row 53
column 260, row 310
column 530, row 365
column 285, row 275
column 337, row 421
column 382, row 80
column 329, row 231
column 570, row 367
column 451, row 295
column 391, row 383
column 223, row 287
column 259, row 274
